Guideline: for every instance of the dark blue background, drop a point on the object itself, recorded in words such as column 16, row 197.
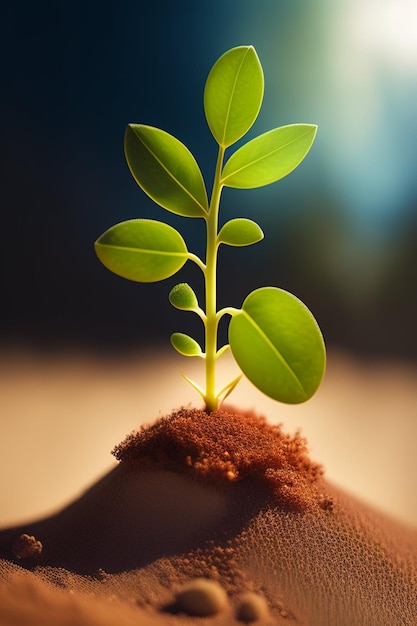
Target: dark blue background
column 341, row 231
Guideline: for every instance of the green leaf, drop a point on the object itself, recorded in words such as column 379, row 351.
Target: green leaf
column 240, row 232
column 183, row 297
column 278, row 345
column 227, row 389
column 142, row 250
column 269, row 157
column 185, row 345
column 166, row 170
column 233, row 94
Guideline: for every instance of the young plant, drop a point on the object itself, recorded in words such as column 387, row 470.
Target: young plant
column 274, row 338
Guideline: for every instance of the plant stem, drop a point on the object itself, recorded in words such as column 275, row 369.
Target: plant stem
column 211, row 326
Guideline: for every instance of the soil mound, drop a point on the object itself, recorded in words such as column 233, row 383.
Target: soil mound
column 230, row 446
column 221, row 519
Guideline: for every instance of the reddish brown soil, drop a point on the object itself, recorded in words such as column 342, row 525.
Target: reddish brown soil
column 229, row 446
column 226, row 497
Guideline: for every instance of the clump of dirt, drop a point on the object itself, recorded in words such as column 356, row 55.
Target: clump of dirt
column 26, row 547
column 230, row 446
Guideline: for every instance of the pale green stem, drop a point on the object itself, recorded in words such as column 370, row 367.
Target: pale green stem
column 197, row 261
column 212, row 222
column 202, row 266
column 229, row 310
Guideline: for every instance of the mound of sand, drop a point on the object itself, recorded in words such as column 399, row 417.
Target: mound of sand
column 214, row 519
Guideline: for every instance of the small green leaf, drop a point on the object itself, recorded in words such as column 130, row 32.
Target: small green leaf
column 183, row 297
column 233, row 94
column 227, row 389
column 194, row 385
column 278, row 345
column 269, row 157
column 185, row 345
column 240, row 232
column 142, row 250
column 166, row 170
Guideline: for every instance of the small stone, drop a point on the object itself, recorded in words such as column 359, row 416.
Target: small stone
column 201, row 597
column 26, row 546
column 251, row 607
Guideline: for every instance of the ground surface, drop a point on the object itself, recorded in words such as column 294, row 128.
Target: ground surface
column 123, row 550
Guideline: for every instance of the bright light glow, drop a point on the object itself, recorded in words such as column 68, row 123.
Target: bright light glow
column 372, row 57
column 388, row 28
column 400, row 22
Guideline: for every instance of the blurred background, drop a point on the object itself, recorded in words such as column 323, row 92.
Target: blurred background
column 85, row 355
column 341, row 231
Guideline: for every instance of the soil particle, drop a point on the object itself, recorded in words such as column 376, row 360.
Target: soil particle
column 26, row 546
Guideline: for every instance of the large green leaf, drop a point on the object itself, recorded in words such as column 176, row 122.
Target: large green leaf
column 269, row 157
column 142, row 250
column 278, row 345
column 240, row 232
column 166, row 170
column 233, row 94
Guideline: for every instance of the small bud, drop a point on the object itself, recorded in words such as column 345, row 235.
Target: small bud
column 183, row 297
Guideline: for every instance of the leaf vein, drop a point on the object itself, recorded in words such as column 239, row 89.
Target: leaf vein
column 144, row 250
column 262, row 157
column 232, row 93
column 174, row 178
column 275, row 350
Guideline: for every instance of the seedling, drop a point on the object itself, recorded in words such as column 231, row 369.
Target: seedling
column 274, row 338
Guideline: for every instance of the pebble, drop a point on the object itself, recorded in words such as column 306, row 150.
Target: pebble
column 251, row 607
column 201, row 597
